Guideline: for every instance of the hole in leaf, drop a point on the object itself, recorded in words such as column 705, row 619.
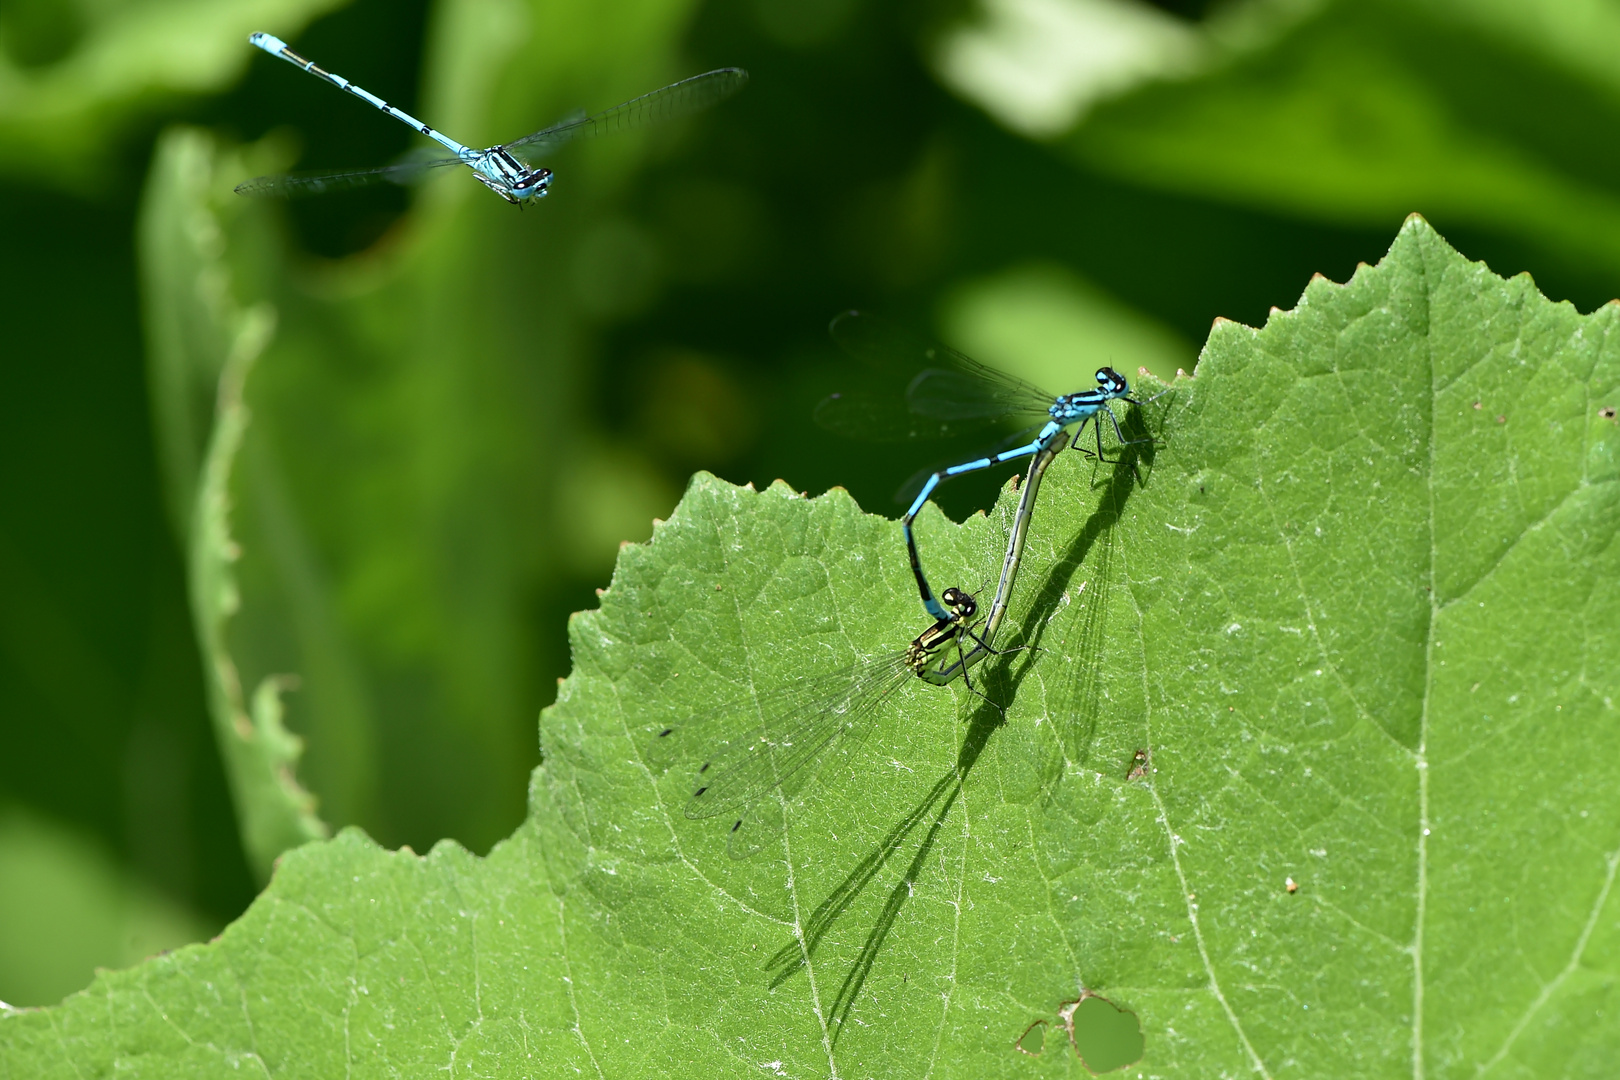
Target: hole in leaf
column 1104, row 1036
column 1033, row 1040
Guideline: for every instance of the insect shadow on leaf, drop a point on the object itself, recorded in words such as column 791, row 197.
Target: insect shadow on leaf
column 1086, row 642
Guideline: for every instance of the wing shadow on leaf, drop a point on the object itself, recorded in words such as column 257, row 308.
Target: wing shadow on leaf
column 1001, row 682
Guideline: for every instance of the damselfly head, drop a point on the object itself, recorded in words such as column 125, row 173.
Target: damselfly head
column 1112, row 382
column 533, row 185
column 961, row 603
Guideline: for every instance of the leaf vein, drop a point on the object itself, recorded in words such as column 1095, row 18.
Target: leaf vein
column 1552, row 986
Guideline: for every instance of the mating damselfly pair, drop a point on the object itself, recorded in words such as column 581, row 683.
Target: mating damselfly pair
column 775, row 742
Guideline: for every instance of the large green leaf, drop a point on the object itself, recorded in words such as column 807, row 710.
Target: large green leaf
column 1314, row 768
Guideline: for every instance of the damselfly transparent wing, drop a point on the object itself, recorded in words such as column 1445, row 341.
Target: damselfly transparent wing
column 953, row 394
column 778, row 741
column 677, row 99
column 874, row 418
column 295, row 185
column 971, row 391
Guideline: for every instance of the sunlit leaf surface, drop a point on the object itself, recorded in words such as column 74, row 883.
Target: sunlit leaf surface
column 1314, row 769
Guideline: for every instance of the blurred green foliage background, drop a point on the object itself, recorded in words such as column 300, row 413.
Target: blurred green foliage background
column 441, row 416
